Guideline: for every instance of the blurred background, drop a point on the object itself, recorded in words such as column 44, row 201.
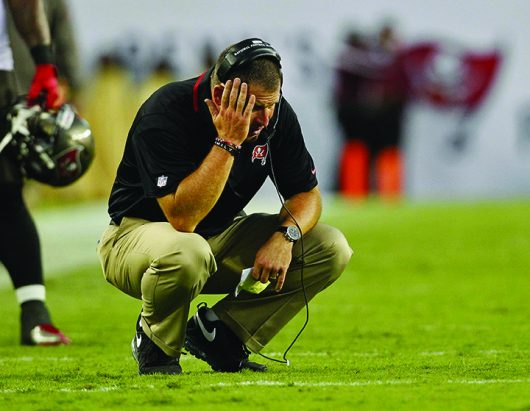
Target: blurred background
column 423, row 100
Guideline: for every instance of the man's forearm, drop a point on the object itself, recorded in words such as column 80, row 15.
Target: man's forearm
column 197, row 194
column 305, row 208
column 30, row 20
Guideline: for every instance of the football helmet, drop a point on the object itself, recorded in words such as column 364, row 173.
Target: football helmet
column 54, row 147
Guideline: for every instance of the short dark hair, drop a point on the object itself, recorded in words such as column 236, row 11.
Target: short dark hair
column 264, row 71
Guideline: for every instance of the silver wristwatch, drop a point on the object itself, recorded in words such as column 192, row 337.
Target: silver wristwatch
column 290, row 232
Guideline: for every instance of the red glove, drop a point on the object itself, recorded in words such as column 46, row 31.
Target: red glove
column 44, row 85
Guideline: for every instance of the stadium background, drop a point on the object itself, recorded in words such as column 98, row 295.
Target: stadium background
column 309, row 35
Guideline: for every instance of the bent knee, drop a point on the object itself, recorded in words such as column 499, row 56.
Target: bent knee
column 187, row 261
column 335, row 248
column 341, row 251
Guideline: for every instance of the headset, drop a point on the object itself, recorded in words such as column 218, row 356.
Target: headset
column 237, row 56
column 244, row 52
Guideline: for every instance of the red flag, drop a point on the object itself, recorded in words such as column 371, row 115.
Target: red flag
column 447, row 76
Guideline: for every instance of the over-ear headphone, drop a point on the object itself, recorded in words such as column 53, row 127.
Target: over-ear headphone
column 243, row 52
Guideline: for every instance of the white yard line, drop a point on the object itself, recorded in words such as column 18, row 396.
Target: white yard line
column 294, row 353
column 275, row 355
column 363, row 383
column 31, row 359
column 314, row 384
column 96, row 389
column 492, row 381
column 288, row 384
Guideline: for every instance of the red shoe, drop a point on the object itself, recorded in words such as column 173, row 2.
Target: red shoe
column 46, row 335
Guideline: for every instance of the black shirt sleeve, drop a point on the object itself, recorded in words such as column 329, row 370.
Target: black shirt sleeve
column 163, row 158
column 292, row 165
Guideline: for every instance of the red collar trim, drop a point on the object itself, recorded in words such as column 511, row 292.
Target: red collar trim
column 196, row 93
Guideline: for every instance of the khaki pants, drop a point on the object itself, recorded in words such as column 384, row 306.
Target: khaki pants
column 167, row 269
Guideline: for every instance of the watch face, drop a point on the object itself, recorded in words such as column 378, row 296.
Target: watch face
column 293, row 233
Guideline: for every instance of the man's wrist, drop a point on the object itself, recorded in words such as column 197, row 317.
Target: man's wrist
column 42, row 54
column 291, row 233
column 233, row 149
column 281, row 237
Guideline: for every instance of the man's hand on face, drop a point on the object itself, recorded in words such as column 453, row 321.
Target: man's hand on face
column 232, row 116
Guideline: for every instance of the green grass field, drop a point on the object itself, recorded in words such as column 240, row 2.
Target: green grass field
column 432, row 313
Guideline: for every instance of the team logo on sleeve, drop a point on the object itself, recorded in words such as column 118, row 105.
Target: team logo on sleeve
column 162, row 181
column 260, row 153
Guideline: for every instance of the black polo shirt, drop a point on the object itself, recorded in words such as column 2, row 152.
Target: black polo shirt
column 172, row 134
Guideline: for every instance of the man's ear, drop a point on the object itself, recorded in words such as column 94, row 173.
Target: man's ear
column 217, row 94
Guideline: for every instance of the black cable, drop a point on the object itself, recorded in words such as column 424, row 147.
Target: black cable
column 282, row 201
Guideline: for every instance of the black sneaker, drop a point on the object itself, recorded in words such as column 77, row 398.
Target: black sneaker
column 151, row 359
column 215, row 343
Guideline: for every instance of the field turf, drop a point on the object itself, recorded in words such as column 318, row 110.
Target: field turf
column 432, row 313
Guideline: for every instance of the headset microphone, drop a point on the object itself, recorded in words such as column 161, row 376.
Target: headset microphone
column 272, row 132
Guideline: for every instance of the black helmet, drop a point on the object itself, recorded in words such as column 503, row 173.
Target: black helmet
column 53, row 147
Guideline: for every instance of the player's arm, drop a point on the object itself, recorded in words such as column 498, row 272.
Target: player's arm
column 197, row 194
column 274, row 257
column 30, row 21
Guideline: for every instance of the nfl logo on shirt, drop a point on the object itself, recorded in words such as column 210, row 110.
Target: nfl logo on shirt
column 162, row 181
